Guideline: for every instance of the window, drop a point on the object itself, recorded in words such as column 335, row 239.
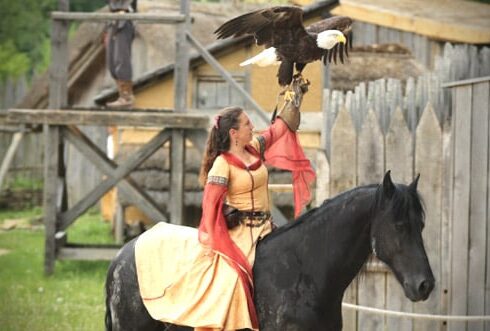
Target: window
column 213, row 92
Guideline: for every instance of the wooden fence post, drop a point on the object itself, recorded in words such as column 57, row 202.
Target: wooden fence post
column 177, row 157
column 54, row 184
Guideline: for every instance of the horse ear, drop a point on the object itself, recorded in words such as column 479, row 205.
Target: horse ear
column 413, row 185
column 388, row 186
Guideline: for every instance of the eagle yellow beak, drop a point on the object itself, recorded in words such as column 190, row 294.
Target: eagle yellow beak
column 341, row 39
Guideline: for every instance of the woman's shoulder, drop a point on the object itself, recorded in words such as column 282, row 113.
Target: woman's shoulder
column 220, row 161
column 220, row 167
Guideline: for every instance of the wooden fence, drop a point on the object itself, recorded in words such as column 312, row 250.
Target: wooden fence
column 469, row 60
column 27, row 160
column 410, row 128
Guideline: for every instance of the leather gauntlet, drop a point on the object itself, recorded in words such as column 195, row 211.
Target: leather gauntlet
column 290, row 112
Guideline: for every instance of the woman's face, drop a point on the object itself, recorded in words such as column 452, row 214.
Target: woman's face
column 245, row 130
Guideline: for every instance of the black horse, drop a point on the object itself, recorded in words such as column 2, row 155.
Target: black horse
column 302, row 269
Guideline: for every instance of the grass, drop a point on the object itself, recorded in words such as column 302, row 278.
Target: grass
column 71, row 299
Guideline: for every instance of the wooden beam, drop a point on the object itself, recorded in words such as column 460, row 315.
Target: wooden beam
column 107, row 118
column 86, row 147
column 198, row 138
column 177, row 171
column 455, row 21
column 281, row 187
column 104, row 17
column 58, row 97
column 226, row 75
column 87, row 253
column 108, row 167
column 51, row 141
column 9, row 156
column 181, row 70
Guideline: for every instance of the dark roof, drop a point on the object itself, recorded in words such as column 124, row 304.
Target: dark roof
column 318, row 8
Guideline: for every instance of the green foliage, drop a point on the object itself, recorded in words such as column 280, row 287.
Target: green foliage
column 25, row 33
column 12, row 62
column 71, row 299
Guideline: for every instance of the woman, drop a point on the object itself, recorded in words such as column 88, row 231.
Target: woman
column 211, row 283
column 235, row 177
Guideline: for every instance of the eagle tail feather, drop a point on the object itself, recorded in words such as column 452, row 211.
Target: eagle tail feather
column 265, row 58
column 341, row 53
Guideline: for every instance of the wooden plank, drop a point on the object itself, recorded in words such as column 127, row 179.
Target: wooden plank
column 127, row 186
column 226, row 76
column 344, row 154
column 181, row 70
column 56, row 116
column 322, row 178
column 428, row 162
column 343, row 177
column 370, row 168
column 51, row 141
column 399, row 159
column 177, row 169
column 325, row 128
column 198, row 138
column 439, row 20
column 104, row 17
column 487, row 264
column 93, row 153
column 280, row 188
column 58, row 71
column 446, row 215
column 119, row 224
column 461, row 204
column 87, row 253
column 9, row 156
column 478, row 203
column 58, row 97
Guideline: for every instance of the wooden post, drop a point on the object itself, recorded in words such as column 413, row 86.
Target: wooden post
column 177, row 150
column 9, row 156
column 58, row 97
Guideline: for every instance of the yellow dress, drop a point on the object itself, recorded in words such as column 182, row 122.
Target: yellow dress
column 201, row 289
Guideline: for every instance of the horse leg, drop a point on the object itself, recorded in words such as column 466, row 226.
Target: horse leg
column 124, row 307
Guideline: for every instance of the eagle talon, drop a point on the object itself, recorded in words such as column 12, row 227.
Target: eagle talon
column 289, row 95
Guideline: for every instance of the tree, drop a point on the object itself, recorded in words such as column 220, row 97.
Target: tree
column 25, row 33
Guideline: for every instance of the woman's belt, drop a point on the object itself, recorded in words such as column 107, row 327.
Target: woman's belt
column 234, row 217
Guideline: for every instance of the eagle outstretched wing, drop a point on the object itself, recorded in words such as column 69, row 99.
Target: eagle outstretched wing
column 270, row 26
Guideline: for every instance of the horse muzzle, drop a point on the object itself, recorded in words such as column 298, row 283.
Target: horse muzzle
column 418, row 288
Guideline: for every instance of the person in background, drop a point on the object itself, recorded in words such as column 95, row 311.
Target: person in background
column 120, row 35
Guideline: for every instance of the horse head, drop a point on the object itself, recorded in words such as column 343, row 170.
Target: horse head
column 396, row 237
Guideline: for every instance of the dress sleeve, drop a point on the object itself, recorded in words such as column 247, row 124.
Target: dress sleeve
column 281, row 149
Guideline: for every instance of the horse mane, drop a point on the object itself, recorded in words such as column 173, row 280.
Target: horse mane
column 403, row 200
column 323, row 208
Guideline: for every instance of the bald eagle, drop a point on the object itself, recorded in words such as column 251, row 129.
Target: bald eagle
column 288, row 43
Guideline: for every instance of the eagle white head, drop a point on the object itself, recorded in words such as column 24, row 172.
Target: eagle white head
column 328, row 39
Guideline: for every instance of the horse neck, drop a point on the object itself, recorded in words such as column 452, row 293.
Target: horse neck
column 342, row 233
